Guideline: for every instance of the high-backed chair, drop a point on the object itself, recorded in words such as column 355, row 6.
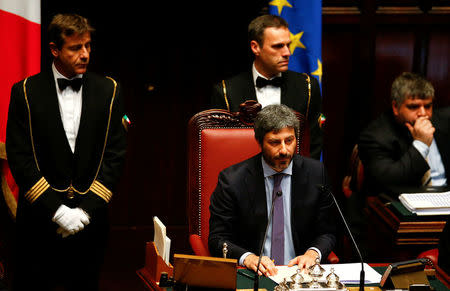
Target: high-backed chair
column 353, row 181
column 218, row 139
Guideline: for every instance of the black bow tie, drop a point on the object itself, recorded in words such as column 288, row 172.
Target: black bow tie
column 74, row 83
column 261, row 82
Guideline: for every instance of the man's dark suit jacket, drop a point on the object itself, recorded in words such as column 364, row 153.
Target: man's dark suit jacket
column 390, row 160
column 239, row 209
column 41, row 161
column 294, row 93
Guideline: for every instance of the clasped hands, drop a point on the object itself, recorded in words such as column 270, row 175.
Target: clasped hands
column 70, row 220
column 267, row 266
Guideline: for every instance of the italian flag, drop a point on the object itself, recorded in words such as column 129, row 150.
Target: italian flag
column 20, row 56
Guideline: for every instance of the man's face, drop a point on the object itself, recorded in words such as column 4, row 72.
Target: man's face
column 411, row 109
column 278, row 148
column 273, row 56
column 73, row 57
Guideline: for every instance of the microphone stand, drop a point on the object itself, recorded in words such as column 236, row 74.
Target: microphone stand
column 256, row 279
column 362, row 274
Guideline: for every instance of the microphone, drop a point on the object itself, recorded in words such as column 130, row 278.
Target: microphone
column 362, row 274
column 256, row 282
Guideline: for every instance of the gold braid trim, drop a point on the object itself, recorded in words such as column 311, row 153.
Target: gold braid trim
column 9, row 197
column 224, row 88
column 2, row 151
column 29, row 124
column 101, row 191
column 308, row 81
column 39, row 188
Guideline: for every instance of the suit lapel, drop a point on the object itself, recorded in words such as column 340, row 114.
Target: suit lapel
column 86, row 106
column 298, row 192
column 248, row 90
column 442, row 137
column 287, row 94
column 257, row 194
column 49, row 99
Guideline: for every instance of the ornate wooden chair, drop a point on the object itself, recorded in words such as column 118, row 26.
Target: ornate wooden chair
column 218, row 139
column 353, row 181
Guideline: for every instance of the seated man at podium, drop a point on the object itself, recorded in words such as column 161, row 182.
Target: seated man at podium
column 302, row 227
column 408, row 146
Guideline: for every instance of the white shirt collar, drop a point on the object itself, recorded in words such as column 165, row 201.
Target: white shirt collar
column 256, row 74
column 268, row 171
column 57, row 75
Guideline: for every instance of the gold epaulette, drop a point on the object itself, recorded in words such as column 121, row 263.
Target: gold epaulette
column 100, row 190
column 37, row 190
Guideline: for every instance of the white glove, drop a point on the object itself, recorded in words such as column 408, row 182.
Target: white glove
column 62, row 232
column 71, row 220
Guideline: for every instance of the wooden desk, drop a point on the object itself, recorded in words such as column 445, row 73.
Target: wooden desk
column 393, row 238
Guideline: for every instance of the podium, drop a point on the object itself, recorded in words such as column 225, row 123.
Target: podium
column 154, row 266
column 403, row 237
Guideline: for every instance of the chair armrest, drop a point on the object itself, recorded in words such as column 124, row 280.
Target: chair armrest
column 432, row 254
column 197, row 246
column 332, row 258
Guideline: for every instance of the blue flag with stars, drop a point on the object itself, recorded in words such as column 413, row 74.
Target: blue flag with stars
column 305, row 25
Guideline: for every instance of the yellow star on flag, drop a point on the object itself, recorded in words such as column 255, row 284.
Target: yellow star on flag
column 295, row 41
column 280, row 4
column 318, row 72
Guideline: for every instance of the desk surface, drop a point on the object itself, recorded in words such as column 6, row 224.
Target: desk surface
column 243, row 282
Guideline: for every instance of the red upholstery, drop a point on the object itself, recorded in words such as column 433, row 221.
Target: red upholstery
column 218, row 139
column 221, row 148
column 432, row 254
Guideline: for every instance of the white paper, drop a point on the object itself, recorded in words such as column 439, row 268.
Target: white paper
column 348, row 273
column 167, row 250
column 427, row 203
column 160, row 236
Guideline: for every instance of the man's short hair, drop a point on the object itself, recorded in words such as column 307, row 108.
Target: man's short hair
column 63, row 25
column 275, row 118
column 258, row 25
column 410, row 85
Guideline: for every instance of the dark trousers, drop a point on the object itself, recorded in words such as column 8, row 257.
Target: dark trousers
column 57, row 263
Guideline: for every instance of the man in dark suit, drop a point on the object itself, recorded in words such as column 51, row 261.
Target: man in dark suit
column 407, row 147
column 65, row 145
column 270, row 82
column 243, row 197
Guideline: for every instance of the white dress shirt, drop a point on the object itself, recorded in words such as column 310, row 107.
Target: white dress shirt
column 69, row 107
column 269, row 94
column 433, row 157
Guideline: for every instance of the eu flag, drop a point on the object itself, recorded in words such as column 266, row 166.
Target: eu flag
column 305, row 24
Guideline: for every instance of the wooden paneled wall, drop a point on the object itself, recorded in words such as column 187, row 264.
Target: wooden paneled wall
column 366, row 44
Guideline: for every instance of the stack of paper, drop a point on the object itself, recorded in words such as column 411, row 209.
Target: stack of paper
column 427, row 203
column 162, row 242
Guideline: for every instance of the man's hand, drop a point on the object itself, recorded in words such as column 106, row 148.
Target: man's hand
column 423, row 130
column 305, row 261
column 266, row 268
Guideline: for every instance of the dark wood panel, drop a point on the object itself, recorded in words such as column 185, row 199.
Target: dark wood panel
column 439, row 65
column 394, row 54
column 339, row 48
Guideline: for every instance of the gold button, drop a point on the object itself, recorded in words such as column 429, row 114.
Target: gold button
column 70, row 194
